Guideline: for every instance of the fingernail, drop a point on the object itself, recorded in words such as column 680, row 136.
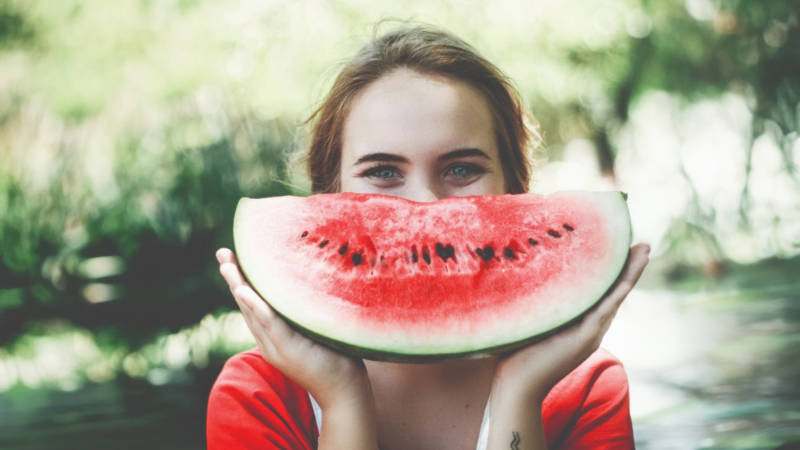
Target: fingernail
column 218, row 255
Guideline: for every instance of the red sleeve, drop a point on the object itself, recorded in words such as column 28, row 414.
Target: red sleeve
column 253, row 406
column 589, row 408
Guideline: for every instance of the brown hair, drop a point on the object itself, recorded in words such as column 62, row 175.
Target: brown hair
column 427, row 51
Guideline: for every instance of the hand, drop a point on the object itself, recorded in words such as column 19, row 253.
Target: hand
column 529, row 373
column 332, row 379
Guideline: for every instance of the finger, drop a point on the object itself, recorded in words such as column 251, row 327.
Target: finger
column 633, row 270
column 600, row 319
column 230, row 272
column 263, row 314
column 225, row 255
column 256, row 329
column 247, row 315
column 634, row 265
column 630, row 273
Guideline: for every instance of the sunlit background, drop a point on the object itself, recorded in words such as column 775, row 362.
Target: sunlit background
column 128, row 130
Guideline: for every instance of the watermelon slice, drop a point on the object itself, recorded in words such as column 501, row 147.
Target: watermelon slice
column 386, row 278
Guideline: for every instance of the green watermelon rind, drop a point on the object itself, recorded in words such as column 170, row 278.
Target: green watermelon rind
column 422, row 356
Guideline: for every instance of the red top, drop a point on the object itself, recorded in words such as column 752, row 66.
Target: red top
column 253, row 404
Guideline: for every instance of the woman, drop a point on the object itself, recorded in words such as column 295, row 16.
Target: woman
column 418, row 114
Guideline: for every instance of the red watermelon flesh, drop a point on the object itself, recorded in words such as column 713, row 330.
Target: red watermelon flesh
column 388, row 278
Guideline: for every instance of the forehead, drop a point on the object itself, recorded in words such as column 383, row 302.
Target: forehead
column 407, row 112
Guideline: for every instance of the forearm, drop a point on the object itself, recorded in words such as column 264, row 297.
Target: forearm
column 515, row 424
column 349, row 423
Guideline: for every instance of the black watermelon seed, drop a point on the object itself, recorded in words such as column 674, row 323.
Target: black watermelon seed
column 343, row 249
column 532, row 241
column 356, row 259
column 509, row 253
column 305, row 233
column 553, row 233
column 323, row 244
column 426, row 256
column 414, row 255
column 445, row 252
column 568, row 228
column 486, row 254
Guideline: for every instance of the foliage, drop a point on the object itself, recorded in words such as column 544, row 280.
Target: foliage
column 140, row 262
column 706, row 50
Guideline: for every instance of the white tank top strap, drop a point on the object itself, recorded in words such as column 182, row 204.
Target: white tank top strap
column 317, row 412
column 483, row 434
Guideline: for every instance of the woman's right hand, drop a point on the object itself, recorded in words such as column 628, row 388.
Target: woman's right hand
column 334, row 380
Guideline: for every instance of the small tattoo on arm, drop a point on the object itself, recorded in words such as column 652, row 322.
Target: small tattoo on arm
column 515, row 442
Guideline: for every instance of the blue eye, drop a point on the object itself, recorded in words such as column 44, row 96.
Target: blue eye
column 382, row 172
column 464, row 170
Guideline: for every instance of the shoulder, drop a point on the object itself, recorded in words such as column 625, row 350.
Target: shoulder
column 251, row 402
column 248, row 372
column 590, row 406
column 601, row 375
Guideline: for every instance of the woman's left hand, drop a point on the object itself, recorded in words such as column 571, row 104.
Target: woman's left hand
column 529, row 373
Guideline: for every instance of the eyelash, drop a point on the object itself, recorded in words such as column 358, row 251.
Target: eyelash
column 374, row 171
column 472, row 169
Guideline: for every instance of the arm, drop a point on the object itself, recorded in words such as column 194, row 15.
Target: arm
column 340, row 384
column 525, row 377
column 515, row 424
column 349, row 423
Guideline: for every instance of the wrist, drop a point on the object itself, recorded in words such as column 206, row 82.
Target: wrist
column 516, row 421
column 509, row 390
column 356, row 393
column 348, row 421
column 514, row 400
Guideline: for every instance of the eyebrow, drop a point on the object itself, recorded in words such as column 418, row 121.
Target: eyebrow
column 463, row 153
column 389, row 157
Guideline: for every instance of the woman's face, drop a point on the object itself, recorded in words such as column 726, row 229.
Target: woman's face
column 420, row 137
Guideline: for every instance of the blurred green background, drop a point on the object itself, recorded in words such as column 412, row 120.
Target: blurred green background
column 129, row 129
